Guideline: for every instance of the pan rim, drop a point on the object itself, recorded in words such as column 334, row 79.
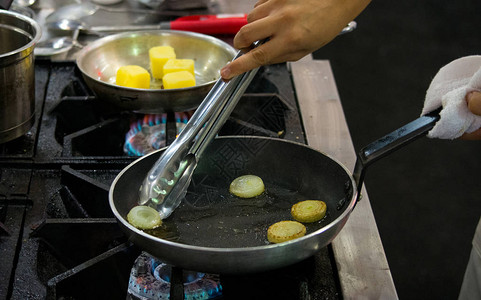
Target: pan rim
column 340, row 218
column 102, row 41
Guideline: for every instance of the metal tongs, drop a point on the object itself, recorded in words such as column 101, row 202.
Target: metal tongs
column 166, row 184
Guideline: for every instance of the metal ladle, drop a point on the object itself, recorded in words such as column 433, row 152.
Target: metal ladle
column 85, row 9
column 73, row 24
column 57, row 45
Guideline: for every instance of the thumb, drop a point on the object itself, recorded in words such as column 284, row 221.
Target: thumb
column 474, row 102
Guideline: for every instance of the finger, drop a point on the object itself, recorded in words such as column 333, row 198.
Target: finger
column 278, row 49
column 255, row 31
column 260, row 11
column 238, row 66
column 250, row 60
column 260, row 2
column 473, row 136
column 474, row 102
column 269, row 53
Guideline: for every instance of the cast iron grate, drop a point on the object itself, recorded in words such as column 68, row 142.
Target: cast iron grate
column 55, row 220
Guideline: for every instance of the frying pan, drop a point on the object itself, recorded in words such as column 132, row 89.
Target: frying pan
column 99, row 61
column 213, row 231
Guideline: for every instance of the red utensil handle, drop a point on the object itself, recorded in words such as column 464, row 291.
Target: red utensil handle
column 210, row 24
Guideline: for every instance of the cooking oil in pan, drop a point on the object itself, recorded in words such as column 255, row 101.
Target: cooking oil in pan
column 215, row 218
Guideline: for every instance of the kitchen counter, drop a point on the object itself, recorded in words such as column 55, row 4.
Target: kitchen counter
column 363, row 269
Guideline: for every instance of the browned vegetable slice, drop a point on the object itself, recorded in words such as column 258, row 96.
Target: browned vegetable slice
column 285, row 231
column 309, row 211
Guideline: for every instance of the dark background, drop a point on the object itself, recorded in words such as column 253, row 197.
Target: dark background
column 426, row 197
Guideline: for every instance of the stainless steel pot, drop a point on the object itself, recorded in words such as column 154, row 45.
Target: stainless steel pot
column 18, row 36
column 100, row 60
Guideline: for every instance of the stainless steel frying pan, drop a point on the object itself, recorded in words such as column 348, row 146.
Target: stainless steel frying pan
column 213, row 231
column 100, row 60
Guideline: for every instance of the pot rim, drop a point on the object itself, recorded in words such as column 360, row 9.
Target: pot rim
column 34, row 38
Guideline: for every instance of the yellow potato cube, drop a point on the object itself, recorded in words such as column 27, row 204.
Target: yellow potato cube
column 133, row 76
column 178, row 80
column 176, row 65
column 158, row 57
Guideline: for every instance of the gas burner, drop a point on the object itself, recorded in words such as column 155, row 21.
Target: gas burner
column 146, row 135
column 149, row 133
column 150, row 279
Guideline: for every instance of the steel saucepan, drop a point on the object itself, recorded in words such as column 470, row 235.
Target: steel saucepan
column 213, row 231
column 100, row 60
column 18, row 36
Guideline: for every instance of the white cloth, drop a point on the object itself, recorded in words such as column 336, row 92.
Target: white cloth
column 448, row 89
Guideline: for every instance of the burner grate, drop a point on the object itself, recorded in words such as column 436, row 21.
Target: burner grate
column 59, row 237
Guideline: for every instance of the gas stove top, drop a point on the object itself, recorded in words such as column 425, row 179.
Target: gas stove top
column 58, row 237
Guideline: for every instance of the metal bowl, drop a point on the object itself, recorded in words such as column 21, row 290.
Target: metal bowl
column 100, row 60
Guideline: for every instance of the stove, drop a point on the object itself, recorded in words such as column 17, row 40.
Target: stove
column 58, row 237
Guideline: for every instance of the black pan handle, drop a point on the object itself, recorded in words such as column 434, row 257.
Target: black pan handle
column 390, row 143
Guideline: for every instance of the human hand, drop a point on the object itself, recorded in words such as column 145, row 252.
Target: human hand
column 295, row 28
column 474, row 104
